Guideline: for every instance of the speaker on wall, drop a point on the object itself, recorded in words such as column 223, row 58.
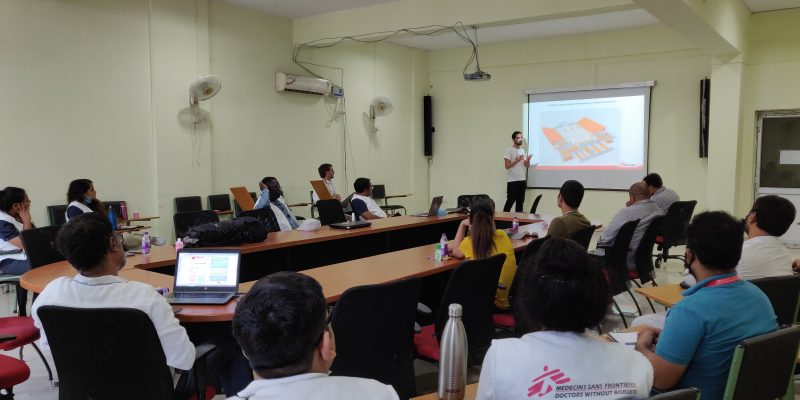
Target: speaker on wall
column 705, row 102
column 427, row 125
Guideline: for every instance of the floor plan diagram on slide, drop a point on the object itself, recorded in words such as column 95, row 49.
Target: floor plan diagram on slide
column 579, row 140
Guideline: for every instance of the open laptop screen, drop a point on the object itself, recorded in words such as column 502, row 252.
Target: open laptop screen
column 203, row 268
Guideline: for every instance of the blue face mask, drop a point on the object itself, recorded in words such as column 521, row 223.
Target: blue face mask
column 87, row 200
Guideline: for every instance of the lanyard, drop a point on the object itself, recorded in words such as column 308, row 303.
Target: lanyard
column 723, row 281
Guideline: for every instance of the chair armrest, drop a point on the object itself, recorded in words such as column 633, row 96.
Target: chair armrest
column 423, row 309
column 201, row 352
column 200, row 368
column 4, row 337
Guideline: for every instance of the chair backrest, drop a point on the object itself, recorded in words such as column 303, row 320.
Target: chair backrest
column 473, row 284
column 220, row 202
column 185, row 220
column 347, row 200
column 644, row 253
column 532, row 248
column 378, row 191
column 125, row 361
column 584, row 236
column 676, row 221
column 535, row 204
column 467, row 200
column 330, row 212
column 763, row 366
column 374, row 328
column 188, row 203
column 40, row 246
column 783, row 292
column 57, row 214
column 266, row 216
column 681, row 394
column 616, row 258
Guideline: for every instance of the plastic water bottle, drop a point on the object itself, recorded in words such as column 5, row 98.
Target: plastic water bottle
column 453, row 356
column 146, row 243
column 514, row 225
column 123, row 210
column 443, row 244
column 437, row 255
column 178, row 244
column 112, row 218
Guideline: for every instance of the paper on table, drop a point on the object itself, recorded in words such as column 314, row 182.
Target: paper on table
column 529, row 230
column 626, row 338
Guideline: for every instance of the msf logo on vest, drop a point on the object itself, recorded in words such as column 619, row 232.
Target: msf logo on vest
column 545, row 383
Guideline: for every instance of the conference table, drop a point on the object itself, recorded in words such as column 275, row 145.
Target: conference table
column 335, row 278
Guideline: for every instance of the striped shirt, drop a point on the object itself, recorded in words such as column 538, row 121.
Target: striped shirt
column 664, row 198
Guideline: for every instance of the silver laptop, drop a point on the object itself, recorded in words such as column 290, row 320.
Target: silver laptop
column 205, row 276
column 434, row 210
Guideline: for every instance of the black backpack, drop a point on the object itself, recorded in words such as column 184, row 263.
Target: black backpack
column 226, row 233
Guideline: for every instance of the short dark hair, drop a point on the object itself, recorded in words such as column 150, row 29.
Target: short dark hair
column 716, row 238
column 84, row 240
column 653, row 180
column 572, row 193
column 515, row 134
column 774, row 214
column 361, row 184
column 279, row 322
column 323, row 169
column 9, row 196
column 268, row 179
column 562, row 289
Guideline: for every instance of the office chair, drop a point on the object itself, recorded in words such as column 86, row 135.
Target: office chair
column 330, row 212
column 644, row 270
column 266, row 216
column 12, row 373
column 374, row 326
column 126, row 362
column 763, row 367
column 24, row 333
column 535, row 204
column 57, row 214
column 188, row 203
column 378, row 193
column 313, row 205
column 472, row 284
column 507, row 321
column 40, row 248
column 182, row 221
column 616, row 263
column 467, row 200
column 583, row 237
column 673, row 232
column 783, row 292
column 237, row 211
column 219, row 202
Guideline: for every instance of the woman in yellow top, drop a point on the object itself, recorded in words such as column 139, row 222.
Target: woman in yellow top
column 484, row 241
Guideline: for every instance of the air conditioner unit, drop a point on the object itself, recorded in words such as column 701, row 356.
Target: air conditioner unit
column 301, row 84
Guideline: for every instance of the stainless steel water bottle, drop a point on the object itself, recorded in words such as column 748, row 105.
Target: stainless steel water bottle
column 453, row 356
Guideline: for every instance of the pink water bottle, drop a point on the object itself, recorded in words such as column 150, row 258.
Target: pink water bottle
column 123, row 210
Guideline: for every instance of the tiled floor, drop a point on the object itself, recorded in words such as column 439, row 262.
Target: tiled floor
column 38, row 387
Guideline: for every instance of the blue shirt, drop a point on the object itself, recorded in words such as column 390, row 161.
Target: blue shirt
column 703, row 329
column 8, row 231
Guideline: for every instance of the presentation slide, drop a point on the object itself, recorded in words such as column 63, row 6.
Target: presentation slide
column 596, row 137
column 207, row 270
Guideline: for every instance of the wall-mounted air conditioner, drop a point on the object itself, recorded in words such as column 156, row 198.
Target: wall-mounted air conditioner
column 301, row 84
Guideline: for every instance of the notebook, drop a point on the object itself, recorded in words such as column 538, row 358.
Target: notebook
column 434, row 210
column 242, row 197
column 322, row 190
column 205, row 276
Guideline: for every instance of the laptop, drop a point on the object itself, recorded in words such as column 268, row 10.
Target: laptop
column 205, row 276
column 434, row 210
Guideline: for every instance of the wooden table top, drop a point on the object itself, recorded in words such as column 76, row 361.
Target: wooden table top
column 667, row 295
column 335, row 278
column 470, row 392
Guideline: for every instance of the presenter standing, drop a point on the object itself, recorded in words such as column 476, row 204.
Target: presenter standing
column 517, row 163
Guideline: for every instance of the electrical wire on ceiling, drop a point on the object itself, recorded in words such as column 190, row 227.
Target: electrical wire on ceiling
column 431, row 30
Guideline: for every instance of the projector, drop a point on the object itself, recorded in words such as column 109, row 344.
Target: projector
column 478, row 76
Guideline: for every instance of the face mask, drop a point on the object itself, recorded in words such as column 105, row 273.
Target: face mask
column 87, row 200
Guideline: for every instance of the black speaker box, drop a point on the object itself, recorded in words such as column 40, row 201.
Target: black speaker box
column 427, row 125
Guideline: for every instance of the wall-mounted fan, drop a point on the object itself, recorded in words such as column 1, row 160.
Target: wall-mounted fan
column 380, row 106
column 204, row 88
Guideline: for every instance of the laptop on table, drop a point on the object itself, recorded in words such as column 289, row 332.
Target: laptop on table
column 436, row 203
column 205, row 276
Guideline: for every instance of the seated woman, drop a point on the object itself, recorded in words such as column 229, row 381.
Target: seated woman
column 82, row 198
column 484, row 241
column 15, row 217
column 561, row 295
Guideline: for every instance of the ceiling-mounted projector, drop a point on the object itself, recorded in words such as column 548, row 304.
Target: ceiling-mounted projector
column 478, row 76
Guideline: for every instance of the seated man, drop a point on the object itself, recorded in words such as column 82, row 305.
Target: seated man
column 363, row 205
column 89, row 244
column 640, row 207
column 763, row 253
column 660, row 195
column 326, row 173
column 571, row 220
column 701, row 331
column 282, row 327
column 272, row 194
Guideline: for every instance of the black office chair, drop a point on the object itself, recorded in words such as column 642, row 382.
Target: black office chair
column 763, row 366
column 182, row 221
column 111, row 353
column 237, row 211
column 673, row 232
column 378, row 193
column 783, row 292
column 583, row 237
column 330, row 212
column 219, row 202
column 40, row 248
column 472, row 284
column 643, row 257
column 507, row 321
column 57, row 214
column 266, row 216
column 188, row 203
column 535, row 204
column 374, row 327
column 313, row 205
column 348, row 208
column 616, row 263
column 467, row 200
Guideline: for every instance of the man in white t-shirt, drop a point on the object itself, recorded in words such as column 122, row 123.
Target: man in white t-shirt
column 362, row 203
column 282, row 326
column 326, row 173
column 763, row 253
column 516, row 163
